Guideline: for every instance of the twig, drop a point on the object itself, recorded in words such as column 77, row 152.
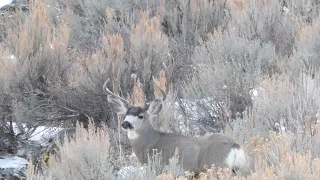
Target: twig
column 59, row 118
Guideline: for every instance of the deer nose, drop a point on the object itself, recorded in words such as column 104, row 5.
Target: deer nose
column 126, row 125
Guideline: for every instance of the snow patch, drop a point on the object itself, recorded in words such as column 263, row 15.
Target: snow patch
column 5, row 2
column 13, row 162
column 10, row 58
column 41, row 134
column 131, row 172
column 254, row 93
column 286, row 10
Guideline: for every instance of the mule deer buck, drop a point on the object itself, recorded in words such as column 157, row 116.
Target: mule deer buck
column 195, row 153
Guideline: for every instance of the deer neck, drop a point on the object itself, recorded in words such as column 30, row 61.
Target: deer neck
column 145, row 134
column 143, row 140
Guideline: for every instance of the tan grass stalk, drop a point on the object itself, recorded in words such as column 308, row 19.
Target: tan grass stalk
column 139, row 98
column 162, row 82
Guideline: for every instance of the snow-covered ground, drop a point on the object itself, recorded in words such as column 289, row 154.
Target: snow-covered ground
column 131, row 172
column 13, row 162
column 40, row 135
column 12, row 167
column 5, row 2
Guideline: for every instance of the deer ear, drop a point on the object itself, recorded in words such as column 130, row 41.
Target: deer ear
column 155, row 107
column 119, row 106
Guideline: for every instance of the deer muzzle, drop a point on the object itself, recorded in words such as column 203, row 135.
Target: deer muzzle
column 126, row 125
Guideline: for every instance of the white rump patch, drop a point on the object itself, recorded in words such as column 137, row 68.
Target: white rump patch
column 132, row 134
column 236, row 158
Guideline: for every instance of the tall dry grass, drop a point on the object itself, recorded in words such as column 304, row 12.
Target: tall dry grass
column 88, row 155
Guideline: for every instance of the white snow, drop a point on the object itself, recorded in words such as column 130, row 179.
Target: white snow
column 131, row 172
column 13, row 162
column 286, row 10
column 41, row 134
column 13, row 58
column 254, row 92
column 10, row 58
column 5, row 2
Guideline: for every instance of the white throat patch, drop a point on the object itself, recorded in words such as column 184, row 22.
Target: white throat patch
column 132, row 134
column 136, row 124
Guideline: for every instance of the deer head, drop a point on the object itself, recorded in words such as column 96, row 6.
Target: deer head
column 136, row 117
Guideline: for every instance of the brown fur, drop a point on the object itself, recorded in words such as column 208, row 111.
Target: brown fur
column 195, row 152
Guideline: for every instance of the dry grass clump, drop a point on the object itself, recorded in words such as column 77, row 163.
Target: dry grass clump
column 236, row 5
column 278, row 159
column 115, row 42
column 307, row 45
column 257, row 23
column 149, row 48
column 88, row 155
column 162, row 84
column 139, row 99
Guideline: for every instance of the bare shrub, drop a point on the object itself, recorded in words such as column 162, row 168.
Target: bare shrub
column 8, row 22
column 305, row 10
column 284, row 105
column 276, row 158
column 264, row 21
column 228, row 67
column 306, row 55
column 180, row 21
column 34, row 63
column 39, row 60
column 86, row 19
column 33, row 175
column 88, row 156
column 193, row 20
column 149, row 50
column 187, row 24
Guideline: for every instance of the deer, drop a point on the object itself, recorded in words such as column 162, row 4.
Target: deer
column 195, row 153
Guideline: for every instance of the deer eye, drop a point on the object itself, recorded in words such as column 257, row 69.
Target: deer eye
column 140, row 116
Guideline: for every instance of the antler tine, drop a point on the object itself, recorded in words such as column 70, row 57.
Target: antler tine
column 164, row 94
column 107, row 90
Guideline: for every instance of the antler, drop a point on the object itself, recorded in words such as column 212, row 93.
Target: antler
column 107, row 90
column 164, row 94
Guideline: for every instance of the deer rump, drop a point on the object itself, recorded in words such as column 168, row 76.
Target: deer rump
column 196, row 153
